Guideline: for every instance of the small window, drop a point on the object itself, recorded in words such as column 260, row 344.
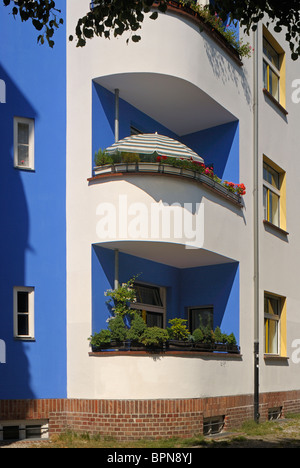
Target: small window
column 201, row 317
column 150, row 301
column 274, row 194
column 273, row 306
column 23, row 312
column 273, row 68
column 24, row 143
column 274, row 413
column 213, row 425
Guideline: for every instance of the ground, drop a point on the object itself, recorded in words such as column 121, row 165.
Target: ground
column 284, row 433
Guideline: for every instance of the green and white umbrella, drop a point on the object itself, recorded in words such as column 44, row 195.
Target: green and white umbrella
column 150, row 143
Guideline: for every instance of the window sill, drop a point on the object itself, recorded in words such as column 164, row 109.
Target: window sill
column 275, row 357
column 275, row 228
column 24, row 338
column 275, row 102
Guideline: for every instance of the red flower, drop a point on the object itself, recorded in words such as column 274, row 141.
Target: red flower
column 164, row 157
column 158, row 159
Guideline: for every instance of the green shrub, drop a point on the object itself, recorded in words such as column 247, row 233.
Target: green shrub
column 98, row 340
column 219, row 336
column 137, row 328
column 198, row 335
column 130, row 157
column 117, row 328
column 154, row 336
column 101, row 158
column 231, row 340
column 178, row 329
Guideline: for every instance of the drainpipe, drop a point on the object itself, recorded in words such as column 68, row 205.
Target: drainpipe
column 116, row 284
column 256, row 228
column 117, row 93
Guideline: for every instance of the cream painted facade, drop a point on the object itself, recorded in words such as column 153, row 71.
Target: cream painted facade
column 186, row 82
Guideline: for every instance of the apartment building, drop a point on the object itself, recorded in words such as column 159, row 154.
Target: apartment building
column 194, row 195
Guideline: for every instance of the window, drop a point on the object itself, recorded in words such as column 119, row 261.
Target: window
column 22, row 430
column 151, row 303
column 274, row 324
column 273, row 68
column 274, row 194
column 201, row 317
column 24, row 143
column 24, row 312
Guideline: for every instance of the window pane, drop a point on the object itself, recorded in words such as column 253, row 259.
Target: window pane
column 22, row 301
column 271, row 176
column 154, row 320
column 201, row 317
column 23, row 155
column 265, row 75
column 274, row 85
column 148, row 295
column 23, row 133
column 273, row 208
column 271, row 330
column 23, row 329
column 271, row 53
column 11, row 433
column 265, row 202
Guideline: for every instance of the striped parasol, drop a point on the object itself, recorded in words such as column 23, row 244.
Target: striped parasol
column 149, row 143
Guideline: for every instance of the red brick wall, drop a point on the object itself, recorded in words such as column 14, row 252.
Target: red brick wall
column 135, row 419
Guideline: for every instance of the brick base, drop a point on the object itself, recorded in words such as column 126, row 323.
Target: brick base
column 152, row 419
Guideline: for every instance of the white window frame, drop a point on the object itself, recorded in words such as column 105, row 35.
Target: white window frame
column 276, row 191
column 30, row 291
column 30, row 123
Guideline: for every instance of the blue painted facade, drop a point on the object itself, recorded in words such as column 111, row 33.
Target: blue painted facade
column 33, row 233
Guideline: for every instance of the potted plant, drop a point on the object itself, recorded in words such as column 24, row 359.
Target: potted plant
column 101, row 340
column 154, row 338
column 220, row 340
column 204, row 339
column 103, row 161
column 179, row 335
column 232, row 346
column 135, row 332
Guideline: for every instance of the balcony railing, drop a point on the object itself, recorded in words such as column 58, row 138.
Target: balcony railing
column 226, row 189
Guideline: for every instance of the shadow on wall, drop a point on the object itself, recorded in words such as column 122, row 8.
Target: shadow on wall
column 226, row 72
column 14, row 372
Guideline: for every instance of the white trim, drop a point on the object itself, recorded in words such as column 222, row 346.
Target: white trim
column 30, row 291
column 30, row 123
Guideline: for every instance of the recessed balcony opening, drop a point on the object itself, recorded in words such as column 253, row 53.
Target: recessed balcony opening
column 170, row 283
column 171, row 107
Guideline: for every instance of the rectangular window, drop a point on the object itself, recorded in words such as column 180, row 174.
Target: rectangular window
column 201, row 317
column 151, row 303
column 271, row 69
column 24, row 312
column 274, row 76
column 24, row 143
column 274, row 194
column 274, row 324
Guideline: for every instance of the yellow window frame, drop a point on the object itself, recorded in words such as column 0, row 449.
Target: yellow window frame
column 281, row 71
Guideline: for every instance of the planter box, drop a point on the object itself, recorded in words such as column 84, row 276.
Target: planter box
column 103, row 169
column 208, row 347
column 148, row 167
column 170, row 169
column 179, row 345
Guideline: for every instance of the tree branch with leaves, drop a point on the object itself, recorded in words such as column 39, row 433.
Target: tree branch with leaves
column 108, row 18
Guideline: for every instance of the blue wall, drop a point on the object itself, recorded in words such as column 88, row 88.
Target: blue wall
column 216, row 285
column 33, row 231
column 217, row 145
